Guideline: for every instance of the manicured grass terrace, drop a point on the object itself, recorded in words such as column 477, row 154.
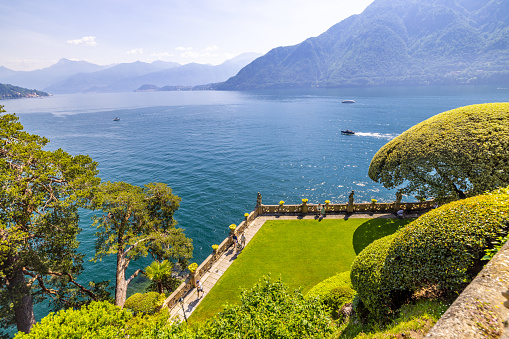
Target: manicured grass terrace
column 302, row 252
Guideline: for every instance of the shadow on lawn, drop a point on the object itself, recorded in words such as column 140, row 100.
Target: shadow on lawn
column 374, row 229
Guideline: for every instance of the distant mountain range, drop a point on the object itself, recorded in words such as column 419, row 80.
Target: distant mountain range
column 69, row 76
column 393, row 42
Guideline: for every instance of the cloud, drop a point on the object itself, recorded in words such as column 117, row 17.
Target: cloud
column 180, row 48
column 85, row 41
column 135, row 51
column 211, row 48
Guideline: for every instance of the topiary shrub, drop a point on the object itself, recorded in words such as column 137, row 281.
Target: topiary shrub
column 441, row 250
column 335, row 292
column 146, row 303
column 461, row 152
column 327, row 285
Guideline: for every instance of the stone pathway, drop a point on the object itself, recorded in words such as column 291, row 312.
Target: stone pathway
column 209, row 279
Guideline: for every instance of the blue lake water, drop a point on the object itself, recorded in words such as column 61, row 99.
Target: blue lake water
column 218, row 149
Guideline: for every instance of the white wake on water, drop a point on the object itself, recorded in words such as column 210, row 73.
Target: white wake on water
column 377, row 135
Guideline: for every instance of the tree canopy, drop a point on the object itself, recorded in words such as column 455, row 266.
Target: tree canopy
column 462, row 152
column 40, row 192
column 137, row 221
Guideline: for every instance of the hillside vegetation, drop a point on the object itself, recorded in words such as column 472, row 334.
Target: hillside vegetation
column 14, row 92
column 394, row 42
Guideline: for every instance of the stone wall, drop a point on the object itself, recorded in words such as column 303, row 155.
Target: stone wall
column 481, row 311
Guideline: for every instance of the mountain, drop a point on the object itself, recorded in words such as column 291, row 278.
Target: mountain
column 42, row 78
column 113, row 79
column 14, row 92
column 130, row 76
column 394, row 42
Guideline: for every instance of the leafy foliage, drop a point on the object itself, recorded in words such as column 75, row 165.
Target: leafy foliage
column 268, row 310
column 40, row 192
column 103, row 320
column 324, row 287
column 462, row 150
column 145, row 303
column 441, row 250
column 160, row 274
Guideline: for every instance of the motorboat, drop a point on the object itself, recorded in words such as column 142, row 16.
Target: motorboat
column 116, row 119
column 348, row 101
column 348, row 132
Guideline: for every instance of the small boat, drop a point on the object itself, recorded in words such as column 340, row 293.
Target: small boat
column 116, row 119
column 348, row 101
column 348, row 132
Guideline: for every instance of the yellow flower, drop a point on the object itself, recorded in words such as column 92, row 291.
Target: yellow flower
column 246, row 215
column 304, row 200
column 327, row 201
column 233, row 226
column 215, row 247
column 281, row 202
column 193, row 267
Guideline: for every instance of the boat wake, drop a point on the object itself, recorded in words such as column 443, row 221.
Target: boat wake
column 388, row 136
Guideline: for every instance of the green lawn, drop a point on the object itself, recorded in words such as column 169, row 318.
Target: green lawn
column 302, row 252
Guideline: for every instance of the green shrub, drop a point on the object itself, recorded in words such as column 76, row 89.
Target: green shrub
column 441, row 250
column 366, row 275
column 335, row 292
column 269, row 310
column 327, row 285
column 100, row 320
column 145, row 303
column 337, row 298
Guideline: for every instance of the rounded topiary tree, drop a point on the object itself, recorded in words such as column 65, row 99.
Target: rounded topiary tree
column 145, row 303
column 462, row 152
column 441, row 250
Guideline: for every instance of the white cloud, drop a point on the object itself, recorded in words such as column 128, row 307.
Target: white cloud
column 211, row 48
column 135, row 51
column 86, row 41
column 180, row 48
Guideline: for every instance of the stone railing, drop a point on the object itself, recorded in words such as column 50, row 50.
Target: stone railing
column 206, row 265
column 304, row 208
column 343, row 208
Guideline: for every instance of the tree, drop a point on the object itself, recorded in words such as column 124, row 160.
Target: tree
column 137, row 221
column 158, row 272
column 462, row 152
column 40, row 192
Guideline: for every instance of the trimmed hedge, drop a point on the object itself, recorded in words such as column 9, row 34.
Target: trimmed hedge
column 145, row 303
column 335, row 292
column 324, row 287
column 441, row 250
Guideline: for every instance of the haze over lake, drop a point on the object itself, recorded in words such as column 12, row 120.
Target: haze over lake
column 218, row 149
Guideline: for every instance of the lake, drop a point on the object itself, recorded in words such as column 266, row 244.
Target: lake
column 218, row 149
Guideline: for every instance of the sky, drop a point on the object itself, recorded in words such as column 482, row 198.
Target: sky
column 36, row 34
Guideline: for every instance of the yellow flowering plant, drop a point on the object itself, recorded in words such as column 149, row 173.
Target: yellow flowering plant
column 233, row 226
column 215, row 247
column 373, row 201
column 193, row 267
column 327, row 201
column 281, row 203
column 305, row 200
column 246, row 215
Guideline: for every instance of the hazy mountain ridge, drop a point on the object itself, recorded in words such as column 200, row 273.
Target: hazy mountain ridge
column 69, row 76
column 394, row 43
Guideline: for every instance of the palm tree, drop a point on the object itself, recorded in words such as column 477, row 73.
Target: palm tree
column 157, row 271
